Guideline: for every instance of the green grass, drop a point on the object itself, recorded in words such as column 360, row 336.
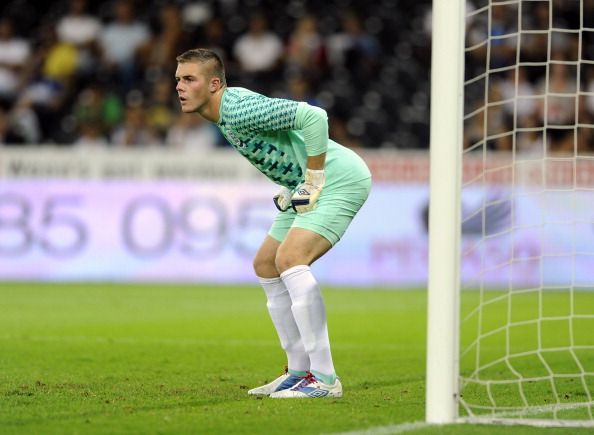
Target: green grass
column 150, row 359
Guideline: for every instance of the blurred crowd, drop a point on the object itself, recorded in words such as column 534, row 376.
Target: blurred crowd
column 534, row 107
column 76, row 72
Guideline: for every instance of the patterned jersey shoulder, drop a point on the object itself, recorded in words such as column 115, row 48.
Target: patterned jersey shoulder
column 248, row 111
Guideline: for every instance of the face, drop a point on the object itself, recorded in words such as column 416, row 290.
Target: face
column 194, row 86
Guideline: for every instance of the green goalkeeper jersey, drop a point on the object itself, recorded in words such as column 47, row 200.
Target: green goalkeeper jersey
column 277, row 136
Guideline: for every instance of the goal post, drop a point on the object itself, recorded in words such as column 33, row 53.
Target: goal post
column 511, row 213
column 447, row 98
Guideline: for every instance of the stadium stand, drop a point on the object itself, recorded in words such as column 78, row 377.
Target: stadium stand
column 75, row 72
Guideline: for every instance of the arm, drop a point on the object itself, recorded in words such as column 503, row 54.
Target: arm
column 257, row 113
column 313, row 121
column 316, row 162
column 254, row 113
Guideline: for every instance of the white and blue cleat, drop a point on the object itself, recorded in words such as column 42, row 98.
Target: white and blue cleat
column 283, row 382
column 310, row 387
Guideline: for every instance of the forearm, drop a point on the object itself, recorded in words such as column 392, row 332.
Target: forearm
column 316, row 162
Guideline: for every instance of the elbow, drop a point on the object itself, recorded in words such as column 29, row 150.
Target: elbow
column 318, row 112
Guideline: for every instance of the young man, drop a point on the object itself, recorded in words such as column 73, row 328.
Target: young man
column 323, row 186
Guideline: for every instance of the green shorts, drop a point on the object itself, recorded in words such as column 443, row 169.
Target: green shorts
column 335, row 209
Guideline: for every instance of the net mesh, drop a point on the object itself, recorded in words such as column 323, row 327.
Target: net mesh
column 527, row 324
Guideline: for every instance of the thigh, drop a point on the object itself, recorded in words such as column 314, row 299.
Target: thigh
column 282, row 224
column 300, row 247
column 335, row 210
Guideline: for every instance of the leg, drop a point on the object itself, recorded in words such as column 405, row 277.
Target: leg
column 300, row 247
column 264, row 261
column 296, row 253
column 305, row 238
column 279, row 307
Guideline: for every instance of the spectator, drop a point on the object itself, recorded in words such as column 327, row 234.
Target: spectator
column 474, row 131
column 157, row 54
column 503, row 41
column 192, row 132
column 81, row 30
column 354, row 49
column 134, row 131
column 299, row 89
column 8, row 136
column 94, row 106
column 216, row 37
column 522, row 89
column 340, row 133
column 50, row 82
column 534, row 46
column 196, row 13
column 499, row 123
column 161, row 111
column 531, row 140
column 589, row 87
column 61, row 62
column 14, row 53
column 119, row 42
column 25, row 122
column 258, row 52
column 558, row 111
column 585, row 141
column 306, row 51
column 90, row 135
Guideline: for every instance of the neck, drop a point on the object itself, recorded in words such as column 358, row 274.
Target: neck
column 211, row 111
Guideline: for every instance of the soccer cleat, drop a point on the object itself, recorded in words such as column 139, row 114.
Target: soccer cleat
column 284, row 381
column 310, row 387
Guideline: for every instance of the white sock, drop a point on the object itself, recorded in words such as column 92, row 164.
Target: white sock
column 310, row 314
column 279, row 307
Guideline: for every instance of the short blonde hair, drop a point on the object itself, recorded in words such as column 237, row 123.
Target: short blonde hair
column 204, row 55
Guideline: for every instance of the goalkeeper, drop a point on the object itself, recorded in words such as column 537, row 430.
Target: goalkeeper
column 322, row 186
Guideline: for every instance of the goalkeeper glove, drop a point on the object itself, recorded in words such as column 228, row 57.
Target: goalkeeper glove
column 304, row 199
column 282, row 199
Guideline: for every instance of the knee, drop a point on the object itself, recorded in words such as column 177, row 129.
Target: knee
column 264, row 267
column 285, row 260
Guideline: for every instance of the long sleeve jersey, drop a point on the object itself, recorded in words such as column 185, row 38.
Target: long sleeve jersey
column 277, row 135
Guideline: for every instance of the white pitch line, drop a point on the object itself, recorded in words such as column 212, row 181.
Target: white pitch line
column 138, row 340
column 388, row 430
column 181, row 341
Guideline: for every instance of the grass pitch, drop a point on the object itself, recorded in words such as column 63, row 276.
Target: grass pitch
column 167, row 359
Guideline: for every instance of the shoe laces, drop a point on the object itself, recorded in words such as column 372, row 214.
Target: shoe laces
column 309, row 378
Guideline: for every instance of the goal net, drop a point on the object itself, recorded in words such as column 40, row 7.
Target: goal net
column 526, row 321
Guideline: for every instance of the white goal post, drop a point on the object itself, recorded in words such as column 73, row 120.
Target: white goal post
column 447, row 99
column 511, row 213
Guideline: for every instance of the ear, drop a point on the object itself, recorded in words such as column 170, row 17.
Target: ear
column 214, row 85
